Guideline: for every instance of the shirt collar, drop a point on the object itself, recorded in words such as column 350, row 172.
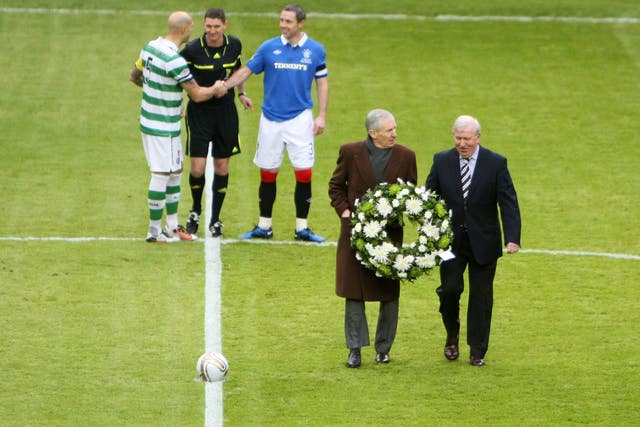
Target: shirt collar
column 300, row 43
column 203, row 41
column 474, row 156
column 169, row 43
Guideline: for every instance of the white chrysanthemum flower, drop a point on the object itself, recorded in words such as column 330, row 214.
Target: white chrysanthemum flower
column 390, row 247
column 431, row 230
column 423, row 239
column 403, row 263
column 371, row 229
column 404, row 191
column 413, row 206
column 357, row 228
column 422, row 248
column 427, row 261
column 378, row 193
column 380, row 253
column 395, row 203
column 368, row 247
column 428, row 215
column 420, row 190
column 444, row 225
column 384, row 207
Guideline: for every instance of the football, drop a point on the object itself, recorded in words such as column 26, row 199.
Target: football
column 212, row 367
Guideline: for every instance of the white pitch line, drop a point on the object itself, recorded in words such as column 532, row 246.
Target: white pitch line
column 346, row 16
column 525, row 19
column 213, row 327
column 581, row 253
column 228, row 241
column 214, row 398
column 67, row 239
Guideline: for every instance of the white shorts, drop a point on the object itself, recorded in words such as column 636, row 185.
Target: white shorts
column 296, row 135
column 164, row 153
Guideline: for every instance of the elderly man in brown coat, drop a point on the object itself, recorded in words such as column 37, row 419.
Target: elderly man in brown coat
column 360, row 166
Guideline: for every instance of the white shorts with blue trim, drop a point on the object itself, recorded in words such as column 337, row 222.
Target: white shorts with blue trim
column 295, row 135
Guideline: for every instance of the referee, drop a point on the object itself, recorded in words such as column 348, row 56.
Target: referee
column 212, row 57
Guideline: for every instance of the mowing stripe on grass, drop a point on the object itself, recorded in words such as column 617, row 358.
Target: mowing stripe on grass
column 347, row 16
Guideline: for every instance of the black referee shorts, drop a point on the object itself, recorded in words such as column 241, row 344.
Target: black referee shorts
column 217, row 124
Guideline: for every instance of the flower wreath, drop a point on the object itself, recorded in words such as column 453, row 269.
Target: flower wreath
column 391, row 203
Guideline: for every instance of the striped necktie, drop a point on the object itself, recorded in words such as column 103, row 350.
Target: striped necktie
column 465, row 175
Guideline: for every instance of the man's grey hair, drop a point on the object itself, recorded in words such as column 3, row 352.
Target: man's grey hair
column 376, row 116
column 463, row 122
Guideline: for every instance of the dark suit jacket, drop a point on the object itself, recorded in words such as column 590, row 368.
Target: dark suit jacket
column 351, row 179
column 491, row 187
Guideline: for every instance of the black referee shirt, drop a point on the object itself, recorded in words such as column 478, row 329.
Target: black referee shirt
column 209, row 64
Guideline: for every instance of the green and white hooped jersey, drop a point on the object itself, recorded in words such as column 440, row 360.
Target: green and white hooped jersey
column 163, row 70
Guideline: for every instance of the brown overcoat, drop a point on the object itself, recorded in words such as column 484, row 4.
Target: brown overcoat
column 352, row 177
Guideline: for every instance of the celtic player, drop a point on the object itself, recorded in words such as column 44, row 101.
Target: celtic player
column 163, row 73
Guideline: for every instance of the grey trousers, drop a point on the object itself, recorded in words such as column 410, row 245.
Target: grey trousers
column 356, row 329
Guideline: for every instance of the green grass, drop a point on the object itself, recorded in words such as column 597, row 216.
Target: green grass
column 108, row 332
column 557, row 353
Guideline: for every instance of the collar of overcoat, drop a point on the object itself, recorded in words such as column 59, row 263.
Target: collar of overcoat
column 363, row 164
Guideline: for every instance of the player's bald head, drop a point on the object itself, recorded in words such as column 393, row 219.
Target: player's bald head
column 178, row 20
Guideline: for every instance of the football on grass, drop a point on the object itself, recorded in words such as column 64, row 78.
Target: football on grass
column 212, row 367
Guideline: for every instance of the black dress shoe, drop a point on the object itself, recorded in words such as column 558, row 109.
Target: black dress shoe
column 354, row 358
column 383, row 358
column 476, row 361
column 451, row 351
